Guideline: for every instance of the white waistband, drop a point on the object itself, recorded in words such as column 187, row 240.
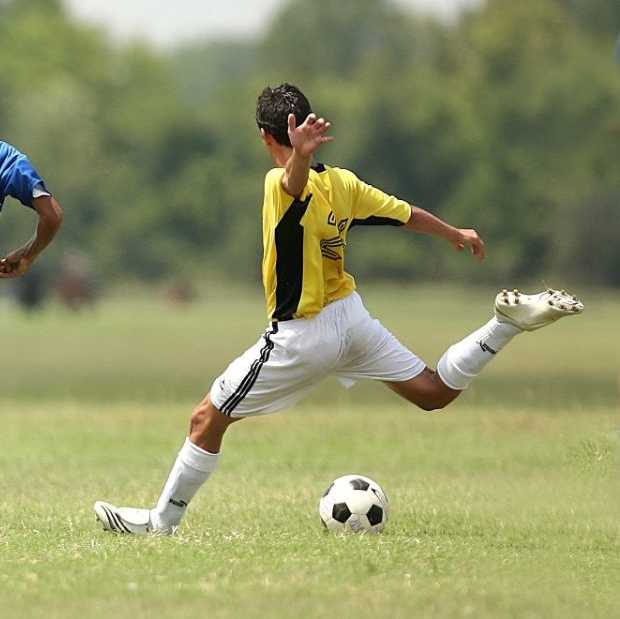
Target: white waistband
column 351, row 304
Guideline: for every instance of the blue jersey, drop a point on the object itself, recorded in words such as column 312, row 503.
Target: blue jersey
column 18, row 178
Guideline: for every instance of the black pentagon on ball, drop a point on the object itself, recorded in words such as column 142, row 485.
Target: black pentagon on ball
column 327, row 491
column 375, row 515
column 341, row 512
column 359, row 484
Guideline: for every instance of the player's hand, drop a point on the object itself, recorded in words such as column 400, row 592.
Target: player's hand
column 15, row 264
column 306, row 138
column 469, row 238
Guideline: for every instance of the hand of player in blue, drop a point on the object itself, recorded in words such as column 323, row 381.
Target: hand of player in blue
column 307, row 138
column 15, row 264
column 469, row 238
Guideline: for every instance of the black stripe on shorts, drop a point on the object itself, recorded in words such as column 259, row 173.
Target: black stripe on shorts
column 250, row 378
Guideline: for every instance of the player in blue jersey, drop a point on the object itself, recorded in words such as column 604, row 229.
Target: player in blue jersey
column 20, row 180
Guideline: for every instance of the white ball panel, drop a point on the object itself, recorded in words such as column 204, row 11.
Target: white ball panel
column 359, row 501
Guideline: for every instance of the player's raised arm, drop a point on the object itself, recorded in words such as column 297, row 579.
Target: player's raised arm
column 426, row 223
column 305, row 140
column 50, row 219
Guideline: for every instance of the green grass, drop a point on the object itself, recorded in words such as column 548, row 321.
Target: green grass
column 506, row 505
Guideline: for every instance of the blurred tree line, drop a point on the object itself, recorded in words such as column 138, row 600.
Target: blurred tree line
column 507, row 120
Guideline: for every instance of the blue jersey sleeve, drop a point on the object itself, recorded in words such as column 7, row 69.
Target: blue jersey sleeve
column 18, row 177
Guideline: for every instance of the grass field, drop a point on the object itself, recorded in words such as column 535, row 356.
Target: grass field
column 506, row 505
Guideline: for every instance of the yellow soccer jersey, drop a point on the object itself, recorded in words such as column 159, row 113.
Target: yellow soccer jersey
column 304, row 239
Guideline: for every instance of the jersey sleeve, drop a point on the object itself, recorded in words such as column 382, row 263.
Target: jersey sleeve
column 373, row 207
column 19, row 179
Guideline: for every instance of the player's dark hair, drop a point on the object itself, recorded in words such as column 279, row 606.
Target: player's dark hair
column 273, row 107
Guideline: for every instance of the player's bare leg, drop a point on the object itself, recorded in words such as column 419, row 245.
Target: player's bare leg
column 194, row 464
column 426, row 390
column 514, row 313
column 208, row 425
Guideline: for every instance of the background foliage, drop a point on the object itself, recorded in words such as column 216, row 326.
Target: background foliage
column 507, row 120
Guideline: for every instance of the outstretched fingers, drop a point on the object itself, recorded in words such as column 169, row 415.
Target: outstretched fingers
column 320, row 128
column 309, row 135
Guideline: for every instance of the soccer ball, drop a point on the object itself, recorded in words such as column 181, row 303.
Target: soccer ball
column 355, row 503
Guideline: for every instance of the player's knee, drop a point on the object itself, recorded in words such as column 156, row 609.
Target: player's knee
column 435, row 400
column 434, row 404
column 438, row 395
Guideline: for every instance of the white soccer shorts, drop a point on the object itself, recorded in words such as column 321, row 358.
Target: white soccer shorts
column 344, row 340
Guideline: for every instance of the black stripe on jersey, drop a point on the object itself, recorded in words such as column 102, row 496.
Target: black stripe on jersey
column 319, row 167
column 250, row 378
column 290, row 260
column 376, row 221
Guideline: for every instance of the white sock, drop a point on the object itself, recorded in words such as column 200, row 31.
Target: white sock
column 463, row 361
column 190, row 470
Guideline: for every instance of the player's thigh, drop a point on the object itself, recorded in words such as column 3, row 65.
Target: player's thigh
column 279, row 370
column 372, row 352
column 426, row 390
column 375, row 353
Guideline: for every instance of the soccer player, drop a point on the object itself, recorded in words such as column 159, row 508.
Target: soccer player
column 21, row 181
column 318, row 325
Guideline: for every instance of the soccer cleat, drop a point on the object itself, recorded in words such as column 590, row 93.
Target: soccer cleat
column 126, row 519
column 531, row 312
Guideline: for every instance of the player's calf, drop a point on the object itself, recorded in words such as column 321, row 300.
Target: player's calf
column 194, row 464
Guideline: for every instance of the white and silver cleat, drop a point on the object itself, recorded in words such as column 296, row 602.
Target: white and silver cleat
column 126, row 519
column 529, row 312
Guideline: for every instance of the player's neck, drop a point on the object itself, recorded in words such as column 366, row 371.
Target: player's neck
column 281, row 154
